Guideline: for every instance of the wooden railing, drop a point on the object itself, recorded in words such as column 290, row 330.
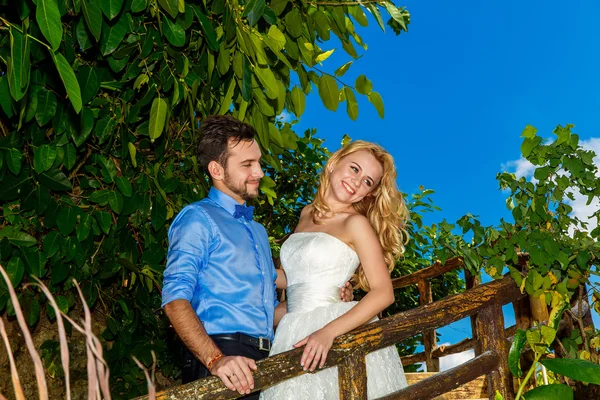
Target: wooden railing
column 483, row 303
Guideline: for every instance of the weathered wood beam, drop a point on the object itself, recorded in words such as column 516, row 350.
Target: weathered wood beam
column 490, row 331
column 363, row 340
column 446, row 381
column 442, row 351
column 352, row 378
column 429, row 337
column 432, row 271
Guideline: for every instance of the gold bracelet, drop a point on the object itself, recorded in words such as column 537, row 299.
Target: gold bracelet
column 214, row 359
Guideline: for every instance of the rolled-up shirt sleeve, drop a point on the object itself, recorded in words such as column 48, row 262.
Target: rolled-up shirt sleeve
column 189, row 242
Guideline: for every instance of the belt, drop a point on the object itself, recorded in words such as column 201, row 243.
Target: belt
column 260, row 343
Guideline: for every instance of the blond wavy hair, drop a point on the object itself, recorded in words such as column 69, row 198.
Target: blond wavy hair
column 384, row 206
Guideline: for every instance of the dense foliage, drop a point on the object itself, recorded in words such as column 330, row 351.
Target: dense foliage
column 100, row 103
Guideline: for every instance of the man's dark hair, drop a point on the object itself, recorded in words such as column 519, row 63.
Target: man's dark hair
column 215, row 133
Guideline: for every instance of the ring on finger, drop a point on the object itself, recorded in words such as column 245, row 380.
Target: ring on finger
column 231, row 375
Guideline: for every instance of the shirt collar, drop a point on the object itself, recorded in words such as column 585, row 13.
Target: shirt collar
column 223, row 199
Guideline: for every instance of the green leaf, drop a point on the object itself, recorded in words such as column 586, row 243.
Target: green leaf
column 124, row 186
column 46, row 107
column 89, row 81
column 51, row 243
column 37, row 199
column 247, row 81
column 5, row 99
column 132, row 153
column 158, row 115
column 13, row 160
column 93, row 17
column 111, row 8
column 342, row 70
column 395, row 14
column 105, row 128
column 104, row 220
column 66, row 220
column 43, row 158
column 293, row 23
column 69, row 80
column 529, row 132
column 514, row 355
column 209, row 31
column 169, row 6
column 59, row 272
column 375, row 11
column 529, row 144
column 351, row 104
column 580, row 370
column 324, row 56
column 15, row 269
column 84, row 227
column 35, row 261
column 55, row 180
column 48, row 19
column 115, row 199
column 363, row 85
column 158, row 215
column 256, row 12
column 277, row 36
column 268, row 81
column 298, row 101
column 31, row 308
column 83, row 36
column 174, row 33
column 553, row 391
column 359, row 15
column 19, row 66
column 79, row 136
column 100, row 197
column 112, row 36
column 70, row 156
column 138, row 5
column 329, row 92
column 377, row 101
column 17, row 237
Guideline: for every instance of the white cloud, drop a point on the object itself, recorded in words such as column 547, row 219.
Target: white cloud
column 285, row 116
column 521, row 168
column 453, row 360
column 581, row 210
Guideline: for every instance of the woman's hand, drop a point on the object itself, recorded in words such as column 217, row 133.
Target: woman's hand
column 317, row 347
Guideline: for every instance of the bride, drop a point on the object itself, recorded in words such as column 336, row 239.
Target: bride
column 354, row 227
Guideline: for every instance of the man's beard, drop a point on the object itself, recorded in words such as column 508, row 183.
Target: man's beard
column 240, row 189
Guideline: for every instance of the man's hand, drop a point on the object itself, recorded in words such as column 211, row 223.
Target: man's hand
column 235, row 372
column 346, row 292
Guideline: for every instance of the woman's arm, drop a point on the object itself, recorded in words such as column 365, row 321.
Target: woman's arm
column 365, row 242
column 281, row 281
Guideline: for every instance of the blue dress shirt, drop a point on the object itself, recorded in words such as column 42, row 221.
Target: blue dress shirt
column 223, row 267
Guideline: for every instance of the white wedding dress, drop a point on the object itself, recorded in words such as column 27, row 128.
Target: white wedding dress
column 317, row 265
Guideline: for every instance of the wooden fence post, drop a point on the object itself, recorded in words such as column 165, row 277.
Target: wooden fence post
column 490, row 332
column 352, row 378
column 429, row 338
column 470, row 282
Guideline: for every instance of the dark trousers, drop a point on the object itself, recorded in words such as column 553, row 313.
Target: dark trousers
column 194, row 369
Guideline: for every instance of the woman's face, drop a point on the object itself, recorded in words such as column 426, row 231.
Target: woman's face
column 355, row 176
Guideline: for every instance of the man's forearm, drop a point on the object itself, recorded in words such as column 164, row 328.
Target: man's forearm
column 191, row 331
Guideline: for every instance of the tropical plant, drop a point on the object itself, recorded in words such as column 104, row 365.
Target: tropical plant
column 100, row 105
column 562, row 252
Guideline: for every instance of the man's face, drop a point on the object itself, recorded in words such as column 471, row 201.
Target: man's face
column 242, row 170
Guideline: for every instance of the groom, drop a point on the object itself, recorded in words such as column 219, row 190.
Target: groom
column 219, row 282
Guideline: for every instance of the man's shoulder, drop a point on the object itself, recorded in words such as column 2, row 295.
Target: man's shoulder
column 198, row 211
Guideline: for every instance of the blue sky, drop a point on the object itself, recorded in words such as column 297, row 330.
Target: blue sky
column 459, row 88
